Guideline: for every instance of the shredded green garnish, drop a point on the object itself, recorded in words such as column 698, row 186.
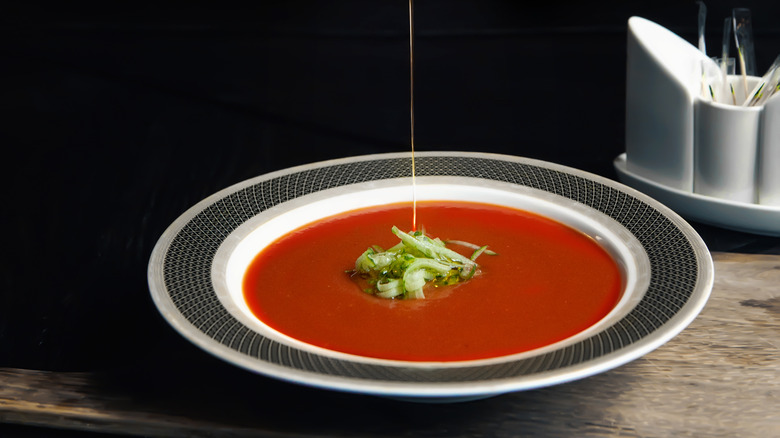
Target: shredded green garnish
column 417, row 260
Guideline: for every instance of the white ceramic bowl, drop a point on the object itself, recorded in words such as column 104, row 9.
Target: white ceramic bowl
column 196, row 268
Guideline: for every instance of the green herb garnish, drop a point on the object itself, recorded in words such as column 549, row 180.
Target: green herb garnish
column 403, row 270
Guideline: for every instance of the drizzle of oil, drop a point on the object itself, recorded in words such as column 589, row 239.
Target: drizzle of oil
column 411, row 111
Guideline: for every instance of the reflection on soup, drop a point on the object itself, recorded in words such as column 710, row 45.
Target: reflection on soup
column 548, row 282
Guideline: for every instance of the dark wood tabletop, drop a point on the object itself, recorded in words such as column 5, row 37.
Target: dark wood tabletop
column 717, row 378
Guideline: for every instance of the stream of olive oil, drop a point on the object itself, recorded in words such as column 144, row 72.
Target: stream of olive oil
column 411, row 111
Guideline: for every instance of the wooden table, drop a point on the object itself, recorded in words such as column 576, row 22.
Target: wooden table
column 719, row 377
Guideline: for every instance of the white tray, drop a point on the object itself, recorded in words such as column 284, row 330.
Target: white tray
column 740, row 216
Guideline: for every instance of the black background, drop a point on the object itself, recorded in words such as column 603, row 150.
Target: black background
column 116, row 118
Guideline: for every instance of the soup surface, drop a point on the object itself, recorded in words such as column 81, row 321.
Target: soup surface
column 548, row 282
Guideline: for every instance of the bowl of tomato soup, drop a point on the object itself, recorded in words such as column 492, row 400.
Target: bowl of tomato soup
column 585, row 275
column 560, row 272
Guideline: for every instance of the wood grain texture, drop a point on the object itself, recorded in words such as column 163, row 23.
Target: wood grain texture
column 719, row 377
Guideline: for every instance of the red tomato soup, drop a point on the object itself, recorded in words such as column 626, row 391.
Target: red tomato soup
column 548, row 282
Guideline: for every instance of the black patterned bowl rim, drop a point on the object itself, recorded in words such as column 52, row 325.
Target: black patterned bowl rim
column 180, row 282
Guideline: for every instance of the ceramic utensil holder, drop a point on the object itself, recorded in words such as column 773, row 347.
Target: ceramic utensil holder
column 725, row 146
column 769, row 155
column 676, row 138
